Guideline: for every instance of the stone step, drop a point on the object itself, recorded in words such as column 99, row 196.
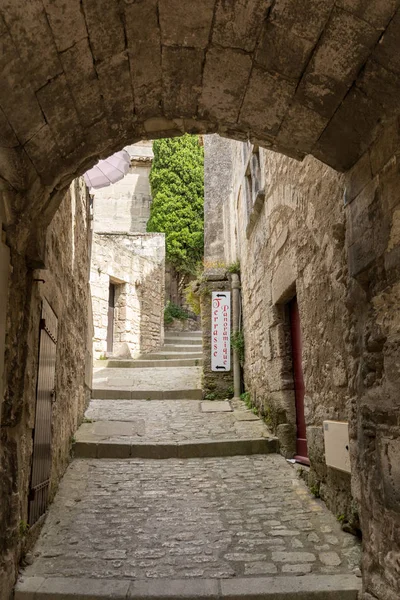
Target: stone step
column 178, row 348
column 182, row 340
column 190, row 334
column 168, row 355
column 158, row 450
column 154, row 362
column 307, row 587
column 113, row 394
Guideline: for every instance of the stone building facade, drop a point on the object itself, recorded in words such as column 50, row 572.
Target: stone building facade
column 301, row 230
column 63, row 281
column 127, row 264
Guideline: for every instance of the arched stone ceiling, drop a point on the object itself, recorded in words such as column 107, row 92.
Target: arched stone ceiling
column 81, row 78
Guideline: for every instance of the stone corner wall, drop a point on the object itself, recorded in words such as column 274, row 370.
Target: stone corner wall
column 215, row 385
column 64, row 284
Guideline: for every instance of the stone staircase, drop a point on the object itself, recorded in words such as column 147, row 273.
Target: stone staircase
column 173, row 498
column 181, row 349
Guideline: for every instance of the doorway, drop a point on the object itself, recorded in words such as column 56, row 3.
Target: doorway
column 110, row 323
column 299, row 390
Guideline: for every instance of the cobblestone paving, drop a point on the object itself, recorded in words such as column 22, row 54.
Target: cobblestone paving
column 214, row 517
column 157, row 378
column 167, row 421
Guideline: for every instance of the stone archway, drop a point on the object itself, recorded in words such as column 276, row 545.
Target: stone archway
column 82, row 78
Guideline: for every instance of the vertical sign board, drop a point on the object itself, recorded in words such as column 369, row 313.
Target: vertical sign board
column 221, row 332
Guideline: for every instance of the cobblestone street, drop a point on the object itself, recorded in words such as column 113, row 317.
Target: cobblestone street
column 237, row 514
column 222, row 517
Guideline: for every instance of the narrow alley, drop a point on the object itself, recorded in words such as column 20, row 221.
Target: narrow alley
column 169, row 496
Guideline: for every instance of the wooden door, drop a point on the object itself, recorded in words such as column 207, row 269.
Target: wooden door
column 110, row 325
column 301, row 437
column 45, row 394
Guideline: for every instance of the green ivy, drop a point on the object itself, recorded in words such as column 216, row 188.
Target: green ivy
column 177, row 209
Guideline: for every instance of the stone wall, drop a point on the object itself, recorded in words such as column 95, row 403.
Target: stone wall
column 333, row 241
column 284, row 220
column 66, row 288
column 373, row 237
column 135, row 263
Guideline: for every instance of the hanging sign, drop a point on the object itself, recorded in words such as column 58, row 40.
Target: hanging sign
column 221, row 332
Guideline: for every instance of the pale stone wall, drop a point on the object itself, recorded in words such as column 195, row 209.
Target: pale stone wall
column 136, row 264
column 125, row 255
column 124, row 206
column 66, row 288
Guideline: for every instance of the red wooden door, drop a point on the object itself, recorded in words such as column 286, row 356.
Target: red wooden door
column 301, row 438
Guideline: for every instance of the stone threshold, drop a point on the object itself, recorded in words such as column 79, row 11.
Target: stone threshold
column 113, row 394
column 308, row 587
column 193, row 449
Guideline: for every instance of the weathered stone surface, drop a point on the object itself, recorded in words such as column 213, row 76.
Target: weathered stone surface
column 238, row 23
column 115, row 82
column 185, row 24
column 144, row 45
column 30, row 29
column 266, row 101
column 283, row 52
column 59, row 109
column 19, row 102
column 226, row 73
column 182, row 72
column 82, row 79
column 105, row 26
column 66, row 21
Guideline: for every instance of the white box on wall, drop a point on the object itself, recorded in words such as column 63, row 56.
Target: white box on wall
column 336, row 436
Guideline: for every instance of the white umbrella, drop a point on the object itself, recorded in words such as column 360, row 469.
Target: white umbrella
column 108, row 171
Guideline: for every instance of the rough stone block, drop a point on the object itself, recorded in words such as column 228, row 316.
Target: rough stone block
column 66, row 21
column 83, row 82
column 283, row 52
column 59, row 109
column 238, row 23
column 106, row 31
column 29, row 28
column 358, row 177
column 144, row 44
column 384, row 147
column 196, row 589
column 386, row 52
column 310, row 24
column 376, row 12
column 266, row 101
column 116, row 88
column 226, row 73
column 44, row 154
column 17, row 99
column 182, row 73
column 301, row 128
column 184, row 23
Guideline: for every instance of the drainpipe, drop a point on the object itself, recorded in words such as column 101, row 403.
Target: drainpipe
column 235, row 327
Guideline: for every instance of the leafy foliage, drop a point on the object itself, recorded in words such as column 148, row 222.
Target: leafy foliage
column 173, row 311
column 177, row 184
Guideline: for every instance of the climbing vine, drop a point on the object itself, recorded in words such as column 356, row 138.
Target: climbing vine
column 177, row 185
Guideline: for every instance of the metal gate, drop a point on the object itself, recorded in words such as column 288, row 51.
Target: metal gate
column 41, row 460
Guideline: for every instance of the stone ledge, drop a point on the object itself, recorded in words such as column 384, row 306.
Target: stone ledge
column 308, row 587
column 160, row 450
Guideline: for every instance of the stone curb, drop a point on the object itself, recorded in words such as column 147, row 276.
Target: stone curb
column 308, row 587
column 102, row 394
column 195, row 449
column 160, row 362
